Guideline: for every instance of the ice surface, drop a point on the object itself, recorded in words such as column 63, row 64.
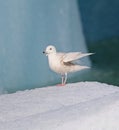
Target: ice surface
column 78, row 106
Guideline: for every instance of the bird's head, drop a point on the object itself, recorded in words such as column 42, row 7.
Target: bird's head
column 49, row 50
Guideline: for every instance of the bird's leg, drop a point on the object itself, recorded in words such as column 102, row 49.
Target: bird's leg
column 62, row 79
column 65, row 78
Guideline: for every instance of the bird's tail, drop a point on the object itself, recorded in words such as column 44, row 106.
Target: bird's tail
column 78, row 68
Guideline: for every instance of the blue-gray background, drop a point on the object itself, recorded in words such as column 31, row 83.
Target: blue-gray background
column 100, row 19
column 28, row 26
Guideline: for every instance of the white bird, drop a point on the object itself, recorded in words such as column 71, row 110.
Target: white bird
column 62, row 63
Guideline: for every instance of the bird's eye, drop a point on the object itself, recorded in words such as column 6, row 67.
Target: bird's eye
column 50, row 48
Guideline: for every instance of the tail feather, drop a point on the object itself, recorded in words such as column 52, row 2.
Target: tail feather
column 78, row 68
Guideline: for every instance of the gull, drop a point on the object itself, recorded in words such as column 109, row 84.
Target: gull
column 63, row 63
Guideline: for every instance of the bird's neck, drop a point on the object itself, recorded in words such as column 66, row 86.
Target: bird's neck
column 51, row 56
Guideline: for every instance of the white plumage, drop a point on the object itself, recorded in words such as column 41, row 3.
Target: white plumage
column 62, row 63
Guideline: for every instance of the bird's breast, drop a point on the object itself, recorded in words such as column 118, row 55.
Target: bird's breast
column 55, row 63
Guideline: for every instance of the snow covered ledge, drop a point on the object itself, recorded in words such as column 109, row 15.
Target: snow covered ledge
column 78, row 106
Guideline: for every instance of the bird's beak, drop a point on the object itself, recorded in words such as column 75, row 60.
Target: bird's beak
column 44, row 52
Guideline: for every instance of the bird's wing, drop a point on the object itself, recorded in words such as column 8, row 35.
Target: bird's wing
column 74, row 56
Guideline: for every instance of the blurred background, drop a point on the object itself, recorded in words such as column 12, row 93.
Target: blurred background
column 28, row 26
column 100, row 21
